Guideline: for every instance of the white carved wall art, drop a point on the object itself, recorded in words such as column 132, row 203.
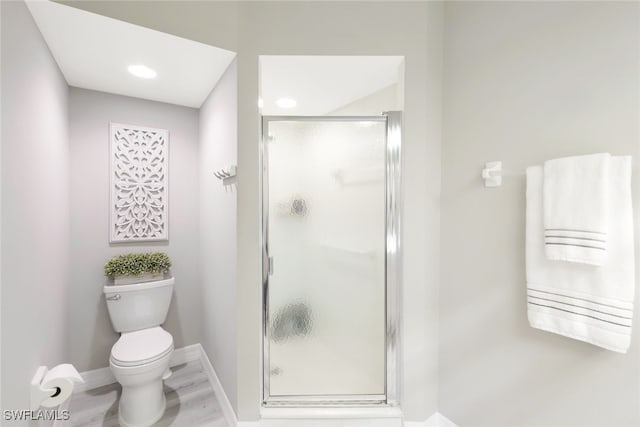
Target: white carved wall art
column 139, row 183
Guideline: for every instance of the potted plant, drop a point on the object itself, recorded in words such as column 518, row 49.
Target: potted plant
column 127, row 269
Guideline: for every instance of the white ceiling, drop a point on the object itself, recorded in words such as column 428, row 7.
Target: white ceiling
column 94, row 51
column 322, row 84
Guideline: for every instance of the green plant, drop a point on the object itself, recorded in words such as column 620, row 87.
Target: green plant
column 137, row 263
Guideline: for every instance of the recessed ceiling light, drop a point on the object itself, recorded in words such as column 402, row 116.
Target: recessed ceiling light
column 286, row 103
column 142, row 71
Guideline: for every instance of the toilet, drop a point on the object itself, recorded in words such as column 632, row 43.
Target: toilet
column 140, row 358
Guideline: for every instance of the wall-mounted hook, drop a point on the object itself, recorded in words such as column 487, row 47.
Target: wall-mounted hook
column 226, row 173
column 492, row 174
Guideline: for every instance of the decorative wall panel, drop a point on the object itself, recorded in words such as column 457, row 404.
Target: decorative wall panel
column 139, row 183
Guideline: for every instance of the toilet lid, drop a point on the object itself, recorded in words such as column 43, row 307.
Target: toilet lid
column 139, row 347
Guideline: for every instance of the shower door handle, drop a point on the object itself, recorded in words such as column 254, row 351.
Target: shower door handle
column 270, row 265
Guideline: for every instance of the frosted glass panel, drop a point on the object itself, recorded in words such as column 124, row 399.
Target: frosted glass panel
column 326, row 234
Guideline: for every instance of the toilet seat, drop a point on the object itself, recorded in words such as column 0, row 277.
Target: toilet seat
column 141, row 347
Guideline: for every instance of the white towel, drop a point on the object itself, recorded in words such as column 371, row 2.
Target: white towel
column 575, row 203
column 587, row 303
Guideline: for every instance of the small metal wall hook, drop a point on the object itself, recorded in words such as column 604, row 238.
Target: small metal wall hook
column 226, row 173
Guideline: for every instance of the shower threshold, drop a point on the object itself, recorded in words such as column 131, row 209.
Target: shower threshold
column 333, row 412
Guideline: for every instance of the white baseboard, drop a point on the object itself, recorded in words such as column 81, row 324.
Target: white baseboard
column 94, row 379
column 436, row 420
column 223, row 399
column 439, row 420
column 103, row 376
column 186, row 354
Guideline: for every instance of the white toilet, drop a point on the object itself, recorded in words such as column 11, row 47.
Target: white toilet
column 140, row 358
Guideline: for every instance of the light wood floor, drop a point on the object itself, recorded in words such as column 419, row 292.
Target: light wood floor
column 191, row 402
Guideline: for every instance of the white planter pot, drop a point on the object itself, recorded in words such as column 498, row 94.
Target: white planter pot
column 145, row 277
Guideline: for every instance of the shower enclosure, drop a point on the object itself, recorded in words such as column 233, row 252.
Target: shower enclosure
column 331, row 259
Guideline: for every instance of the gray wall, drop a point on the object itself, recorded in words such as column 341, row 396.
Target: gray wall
column 1, row 406
column 525, row 82
column 218, row 149
column 318, row 28
column 91, row 335
column 412, row 29
column 327, row 28
column 35, row 206
column 211, row 22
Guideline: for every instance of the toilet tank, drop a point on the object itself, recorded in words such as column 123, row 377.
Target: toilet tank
column 138, row 306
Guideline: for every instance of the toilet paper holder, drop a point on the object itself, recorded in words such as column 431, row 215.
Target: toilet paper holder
column 41, row 395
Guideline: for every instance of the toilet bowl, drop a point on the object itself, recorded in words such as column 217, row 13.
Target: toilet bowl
column 140, row 362
column 140, row 358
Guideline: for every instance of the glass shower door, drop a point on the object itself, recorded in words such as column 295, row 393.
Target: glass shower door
column 325, row 258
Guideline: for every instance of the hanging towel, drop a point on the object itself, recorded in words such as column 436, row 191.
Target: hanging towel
column 580, row 301
column 575, row 202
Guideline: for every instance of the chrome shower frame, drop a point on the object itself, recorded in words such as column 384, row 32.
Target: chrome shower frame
column 393, row 267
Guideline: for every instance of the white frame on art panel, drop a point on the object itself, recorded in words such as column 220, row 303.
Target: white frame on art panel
column 113, row 193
